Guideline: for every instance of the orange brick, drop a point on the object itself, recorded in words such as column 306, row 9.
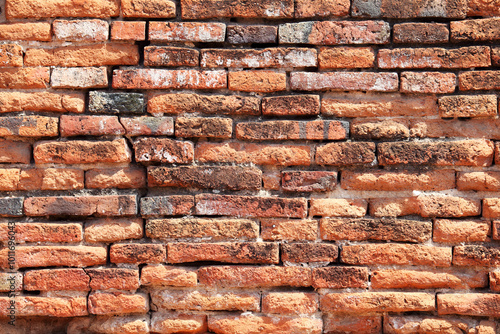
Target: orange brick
column 266, row 325
column 42, row 101
column 257, row 81
column 60, row 307
column 61, row 8
column 121, row 178
column 458, row 231
column 346, row 153
column 42, row 232
column 290, row 303
column 298, row 105
column 57, row 279
column 475, row 30
column 289, row 230
column 422, row 33
column 357, row 324
column 110, row 303
column 112, row 230
column 24, row 78
column 409, row 9
column 483, row 8
column 29, row 126
column 402, row 324
column 479, row 80
column 137, row 253
column 476, row 255
column 468, row 106
column 171, row 322
column 51, row 179
column 322, row 8
column 11, row 55
column 28, row 31
column 159, row 275
column 14, row 152
column 90, row 126
column 475, row 304
column 148, row 9
column 128, row 31
column 337, row 207
column 491, row 207
column 113, row 278
column 346, row 57
column 340, row 277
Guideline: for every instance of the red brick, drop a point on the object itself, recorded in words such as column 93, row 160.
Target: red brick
column 428, row 82
column 61, row 8
column 167, row 205
column 42, row 101
column 475, row 30
column 205, row 9
column 352, row 324
column 396, row 254
column 322, row 8
column 80, row 30
column 169, row 79
column 421, row 33
column 271, row 180
column 206, row 104
column 170, row 56
column 29, row 306
column 111, row 230
column 239, row 153
column 90, row 126
column 377, row 302
column 475, row 304
column 196, row 127
column 113, row 278
column 458, row 231
column 308, row 181
column 148, row 9
column 41, row 232
column 337, row 207
column 340, row 277
column 479, row 181
column 423, row 279
column 128, row 31
column 57, row 279
column 403, row 324
column 288, row 229
column 248, row 323
column 202, row 32
column 384, row 130
column 456, row 153
column 121, row 178
column 468, row 106
column 290, row 303
column 346, row 153
column 81, row 152
column 409, row 9
column 110, row 303
column 11, row 55
column 126, row 324
column 308, row 253
column 113, row 205
column 171, row 322
column 79, row 77
column 494, row 281
column 148, row 126
column 253, row 277
column 137, row 253
column 346, row 57
column 335, row 32
column 24, row 78
column 51, row 179
column 341, row 81
column 466, row 57
column 476, row 255
column 9, row 178
column 55, row 256
column 246, row 34
column 15, row 152
column 292, row 105
column 479, row 80
column 163, row 150
column 248, row 206
column 29, row 126
column 159, row 275
column 205, row 300
column 257, row 81
column 483, row 8
column 473, row 128
column 376, row 180
column 491, row 207
column 26, row 31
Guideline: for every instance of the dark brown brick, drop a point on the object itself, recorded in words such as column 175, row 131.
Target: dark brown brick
column 189, row 127
column 293, row 105
column 340, row 277
column 308, row 252
column 137, row 253
column 170, row 56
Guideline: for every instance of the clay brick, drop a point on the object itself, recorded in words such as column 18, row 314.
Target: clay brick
column 321, row 8
column 127, row 324
column 258, row 34
column 384, row 130
column 334, row 32
column 128, row 31
column 205, row 300
column 352, row 324
column 61, row 8
column 223, row 177
column 29, row 306
column 116, row 103
column 55, row 256
column 26, row 31
column 458, row 231
column 496, row 230
column 289, row 230
column 263, row 58
column 423, row 279
column 206, row 104
column 148, row 9
column 57, row 279
column 137, row 253
column 433, row 180
column 81, row 152
column 202, row 229
column 401, row 9
column 11, row 282
column 51, row 179
column 148, row 126
column 341, row 81
column 11, row 55
column 308, row 181
column 290, row 303
column 396, row 254
column 42, row 101
column 401, row 325
column 110, row 303
column 479, row 181
column 271, row 180
column 473, row 128
column 293, row 105
column 9, row 178
column 420, row 33
column 169, row 79
column 79, row 77
column 428, row 82
column 239, row 153
column 170, row 56
column 11, row 206
column 475, row 304
column 24, row 78
column 175, row 205
column 112, row 230
column 466, row 57
column 171, row 322
column 337, row 207
column 163, row 150
column 195, row 127
column 80, row 30
column 121, row 178
column 90, row 126
column 202, row 32
column 257, row 81
column 308, row 253
column 475, row 30
column 248, row 206
column 375, row 229
column 340, row 277
column 346, row 153
column 476, row 255
column 388, row 105
column 41, row 232
column 458, row 153
column 253, row 277
column 468, row 106
column 29, row 126
column 205, row 9
column 112, row 205
column 483, row 8
column 494, row 281
column 346, row 57
column 15, row 152
column 479, row 80
column 159, row 275
column 113, row 278
column 266, row 325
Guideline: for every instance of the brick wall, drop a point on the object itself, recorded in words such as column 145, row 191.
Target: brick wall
column 272, row 166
